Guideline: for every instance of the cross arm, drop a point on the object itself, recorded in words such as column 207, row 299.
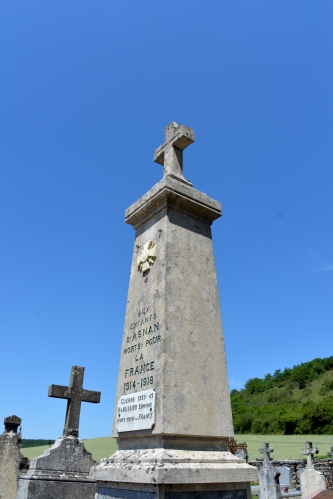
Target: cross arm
column 183, row 137
column 312, row 450
column 59, row 392
column 91, row 396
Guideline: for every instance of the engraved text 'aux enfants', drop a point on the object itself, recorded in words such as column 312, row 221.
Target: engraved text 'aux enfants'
column 147, row 335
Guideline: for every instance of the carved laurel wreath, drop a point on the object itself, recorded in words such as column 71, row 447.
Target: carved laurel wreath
column 147, row 256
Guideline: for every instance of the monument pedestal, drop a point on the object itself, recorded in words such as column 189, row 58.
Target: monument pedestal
column 174, row 469
column 173, row 417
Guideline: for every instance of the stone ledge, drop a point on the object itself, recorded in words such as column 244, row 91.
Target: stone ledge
column 183, row 198
column 56, row 476
column 173, row 467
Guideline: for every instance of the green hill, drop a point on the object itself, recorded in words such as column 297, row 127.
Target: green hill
column 285, row 446
column 295, row 401
column 99, row 447
column 28, row 442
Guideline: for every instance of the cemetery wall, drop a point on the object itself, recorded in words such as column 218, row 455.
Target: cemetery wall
column 322, row 465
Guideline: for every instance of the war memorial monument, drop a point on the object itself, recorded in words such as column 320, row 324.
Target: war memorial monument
column 172, row 417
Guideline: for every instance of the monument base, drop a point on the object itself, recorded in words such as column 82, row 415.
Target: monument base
column 181, row 491
column 168, row 473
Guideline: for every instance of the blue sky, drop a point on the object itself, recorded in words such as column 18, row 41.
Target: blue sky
column 87, row 88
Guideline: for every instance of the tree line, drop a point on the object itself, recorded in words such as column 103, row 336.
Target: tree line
column 271, row 405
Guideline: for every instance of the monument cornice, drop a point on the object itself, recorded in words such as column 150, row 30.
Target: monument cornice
column 173, row 193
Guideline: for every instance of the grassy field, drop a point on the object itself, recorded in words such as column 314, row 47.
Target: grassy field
column 285, row 446
column 99, row 447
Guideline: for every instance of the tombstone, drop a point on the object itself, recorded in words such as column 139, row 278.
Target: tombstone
column 242, row 453
column 320, row 494
column 285, row 476
column 10, row 458
column 269, row 485
column 63, row 470
column 311, row 480
column 172, row 417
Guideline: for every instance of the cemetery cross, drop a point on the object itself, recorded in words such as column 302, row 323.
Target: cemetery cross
column 75, row 394
column 266, row 450
column 309, row 451
column 170, row 153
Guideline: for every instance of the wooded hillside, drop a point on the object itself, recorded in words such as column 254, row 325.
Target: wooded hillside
column 293, row 401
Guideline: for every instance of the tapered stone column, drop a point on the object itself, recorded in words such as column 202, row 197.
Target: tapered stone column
column 173, row 416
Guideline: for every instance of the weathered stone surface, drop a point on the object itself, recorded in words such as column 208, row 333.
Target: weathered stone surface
column 285, row 476
column 61, row 472
column 10, row 458
column 75, row 394
column 170, row 153
column 320, row 494
column 269, row 485
column 312, row 481
column 173, row 342
column 309, row 452
column 178, row 295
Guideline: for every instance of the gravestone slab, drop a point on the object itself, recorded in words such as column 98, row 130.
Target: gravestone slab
column 241, row 453
column 10, row 458
column 320, row 494
column 312, row 481
column 173, row 342
column 62, row 472
column 269, row 485
column 285, row 476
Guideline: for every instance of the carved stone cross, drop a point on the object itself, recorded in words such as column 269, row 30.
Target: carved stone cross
column 309, row 451
column 266, row 450
column 330, row 454
column 170, row 153
column 75, row 394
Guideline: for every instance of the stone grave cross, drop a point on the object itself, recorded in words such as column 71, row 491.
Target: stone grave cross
column 309, row 451
column 170, row 153
column 266, row 450
column 75, row 394
column 330, row 454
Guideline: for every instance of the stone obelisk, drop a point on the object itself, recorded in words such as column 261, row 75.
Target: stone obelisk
column 173, row 418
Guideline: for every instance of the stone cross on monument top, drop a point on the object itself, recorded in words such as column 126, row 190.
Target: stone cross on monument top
column 309, row 451
column 170, row 153
column 266, row 450
column 75, row 394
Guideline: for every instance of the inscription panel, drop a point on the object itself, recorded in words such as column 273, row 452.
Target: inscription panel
column 136, row 411
column 106, row 493
column 211, row 494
